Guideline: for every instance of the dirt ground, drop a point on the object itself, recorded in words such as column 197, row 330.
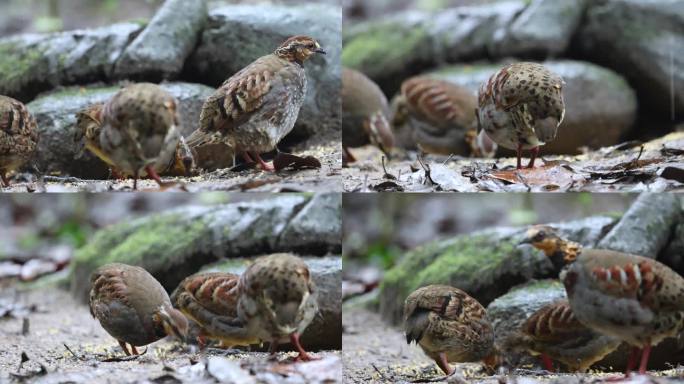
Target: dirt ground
column 655, row 166
column 374, row 352
column 61, row 343
column 325, row 179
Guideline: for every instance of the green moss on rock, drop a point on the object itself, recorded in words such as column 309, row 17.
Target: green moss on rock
column 385, row 47
column 16, row 62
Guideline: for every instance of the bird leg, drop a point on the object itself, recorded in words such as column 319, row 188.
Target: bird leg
column 535, row 153
column 264, row 165
column 548, row 364
column 347, row 156
column 5, row 180
column 124, row 347
column 519, row 166
column 135, row 181
column 645, row 353
column 303, row 356
column 135, row 351
column 444, row 364
column 153, row 174
column 631, row 362
column 273, row 347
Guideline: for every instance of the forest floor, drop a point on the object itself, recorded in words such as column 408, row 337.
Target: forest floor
column 374, row 352
column 655, row 166
column 327, row 178
column 47, row 337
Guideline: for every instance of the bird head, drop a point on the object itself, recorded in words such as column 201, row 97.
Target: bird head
column 88, row 122
column 298, row 49
column 173, row 321
column 378, row 129
column 547, row 239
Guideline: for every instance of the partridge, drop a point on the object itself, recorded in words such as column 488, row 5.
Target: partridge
column 449, row 326
column 439, row 114
column 521, row 106
column 555, row 333
column 278, row 300
column 364, row 114
column 210, row 300
column 632, row 298
column 133, row 307
column 140, row 130
column 89, row 127
column 18, row 136
column 258, row 106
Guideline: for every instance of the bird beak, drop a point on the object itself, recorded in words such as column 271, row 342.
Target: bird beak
column 321, row 51
column 526, row 240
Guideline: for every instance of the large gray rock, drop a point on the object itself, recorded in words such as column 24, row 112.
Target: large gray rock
column 318, row 223
column 177, row 243
column 587, row 87
column 162, row 47
column 237, row 35
column 325, row 331
column 543, row 29
column 390, row 49
column 30, row 64
column 484, row 264
column 58, row 153
column 647, row 227
column 642, row 40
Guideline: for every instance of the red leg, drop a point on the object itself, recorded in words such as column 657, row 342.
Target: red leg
column 153, row 174
column 124, row 347
column 264, row 165
column 631, row 362
column 303, row 356
column 645, row 353
column 519, row 156
column 247, row 157
column 201, row 342
column 548, row 364
column 444, row 364
column 535, row 153
column 135, row 351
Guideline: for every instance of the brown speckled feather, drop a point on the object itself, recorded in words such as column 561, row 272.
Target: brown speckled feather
column 18, row 135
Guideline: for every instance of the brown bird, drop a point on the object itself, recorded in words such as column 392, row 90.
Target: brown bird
column 439, row 114
column 521, row 107
column 211, row 300
column 632, row 298
column 449, row 326
column 89, row 128
column 133, row 307
column 278, row 300
column 140, row 131
column 258, row 106
column 18, row 136
column 364, row 114
column 555, row 333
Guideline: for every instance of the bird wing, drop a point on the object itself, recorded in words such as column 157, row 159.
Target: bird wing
column 235, row 101
column 553, row 322
column 438, row 102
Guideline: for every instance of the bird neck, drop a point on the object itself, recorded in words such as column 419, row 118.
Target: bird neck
column 289, row 55
column 563, row 252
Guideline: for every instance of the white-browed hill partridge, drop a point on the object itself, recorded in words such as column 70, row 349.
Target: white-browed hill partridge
column 18, row 136
column 258, row 106
column 278, row 300
column 449, row 326
column 555, row 333
column 140, row 130
column 211, row 300
column 133, row 307
column 632, row 298
column 364, row 114
column 521, row 106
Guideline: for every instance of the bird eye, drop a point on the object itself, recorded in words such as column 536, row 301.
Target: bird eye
column 539, row 236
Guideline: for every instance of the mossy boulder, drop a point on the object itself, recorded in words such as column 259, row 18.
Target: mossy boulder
column 484, row 264
column 237, row 35
column 641, row 40
column 58, row 153
column 160, row 50
column 600, row 105
column 175, row 244
column 34, row 63
column 325, row 331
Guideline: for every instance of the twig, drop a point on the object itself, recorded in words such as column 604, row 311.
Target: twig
column 387, row 175
column 380, row 373
column 451, row 155
column 72, row 352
